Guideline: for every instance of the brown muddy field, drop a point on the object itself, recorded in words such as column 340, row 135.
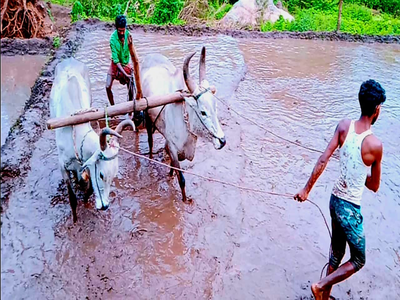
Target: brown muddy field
column 18, row 75
column 229, row 244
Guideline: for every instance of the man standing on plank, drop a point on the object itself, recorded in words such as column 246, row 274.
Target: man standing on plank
column 121, row 48
column 359, row 150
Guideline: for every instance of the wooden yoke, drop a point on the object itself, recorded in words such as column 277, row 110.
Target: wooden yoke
column 115, row 110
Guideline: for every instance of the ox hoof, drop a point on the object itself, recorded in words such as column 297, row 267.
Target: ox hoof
column 104, row 207
column 187, row 201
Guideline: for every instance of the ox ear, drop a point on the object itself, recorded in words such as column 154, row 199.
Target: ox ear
column 91, row 160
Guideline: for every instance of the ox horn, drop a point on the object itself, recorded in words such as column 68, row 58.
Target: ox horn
column 103, row 141
column 123, row 124
column 186, row 75
column 202, row 65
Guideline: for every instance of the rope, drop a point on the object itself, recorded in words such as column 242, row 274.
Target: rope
column 234, row 185
column 74, row 142
column 267, row 130
column 106, row 116
column 326, row 223
column 226, row 183
column 158, row 115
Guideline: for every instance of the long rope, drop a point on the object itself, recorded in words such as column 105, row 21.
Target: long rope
column 239, row 186
column 266, row 129
column 226, row 183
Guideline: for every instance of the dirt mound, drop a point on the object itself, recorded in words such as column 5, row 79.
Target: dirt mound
column 25, row 19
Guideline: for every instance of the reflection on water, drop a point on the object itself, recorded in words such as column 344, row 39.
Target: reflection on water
column 228, row 244
column 18, row 74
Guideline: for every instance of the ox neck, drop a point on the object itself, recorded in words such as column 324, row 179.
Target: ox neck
column 81, row 136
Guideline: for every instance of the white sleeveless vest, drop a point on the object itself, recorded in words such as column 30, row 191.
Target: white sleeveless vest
column 353, row 171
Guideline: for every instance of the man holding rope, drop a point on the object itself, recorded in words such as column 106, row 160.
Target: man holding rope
column 121, row 47
column 359, row 150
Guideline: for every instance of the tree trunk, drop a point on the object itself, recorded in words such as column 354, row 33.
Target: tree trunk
column 340, row 15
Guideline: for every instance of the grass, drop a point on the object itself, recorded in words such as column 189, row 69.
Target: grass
column 56, row 42
column 356, row 19
column 310, row 15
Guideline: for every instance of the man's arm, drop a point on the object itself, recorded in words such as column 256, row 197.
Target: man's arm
column 302, row 195
column 122, row 70
column 373, row 181
column 135, row 62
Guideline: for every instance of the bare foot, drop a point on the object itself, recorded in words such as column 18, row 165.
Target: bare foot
column 317, row 292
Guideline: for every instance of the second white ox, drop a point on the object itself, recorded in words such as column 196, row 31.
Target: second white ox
column 180, row 123
column 80, row 149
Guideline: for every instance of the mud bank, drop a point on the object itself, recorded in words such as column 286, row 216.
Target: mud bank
column 19, row 145
column 26, row 46
column 253, row 34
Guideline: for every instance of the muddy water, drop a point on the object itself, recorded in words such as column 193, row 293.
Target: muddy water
column 18, row 74
column 229, row 244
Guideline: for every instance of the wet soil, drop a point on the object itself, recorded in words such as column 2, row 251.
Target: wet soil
column 228, row 244
column 17, row 150
column 18, row 74
column 62, row 24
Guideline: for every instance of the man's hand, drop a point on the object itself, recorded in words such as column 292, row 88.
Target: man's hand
column 129, row 40
column 301, row 196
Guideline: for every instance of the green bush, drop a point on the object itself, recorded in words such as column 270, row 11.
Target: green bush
column 56, row 42
column 356, row 19
column 166, row 11
column 103, row 9
column 77, row 12
column 388, row 6
column 223, row 11
column 357, row 12
column 310, row 15
column 292, row 5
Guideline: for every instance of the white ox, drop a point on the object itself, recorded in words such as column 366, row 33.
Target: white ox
column 180, row 123
column 80, row 149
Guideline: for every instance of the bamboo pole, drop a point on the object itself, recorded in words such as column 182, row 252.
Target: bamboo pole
column 115, row 110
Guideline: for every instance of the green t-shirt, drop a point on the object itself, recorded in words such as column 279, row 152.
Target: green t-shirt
column 119, row 53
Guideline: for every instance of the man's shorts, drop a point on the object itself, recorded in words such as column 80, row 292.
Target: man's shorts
column 347, row 226
column 116, row 73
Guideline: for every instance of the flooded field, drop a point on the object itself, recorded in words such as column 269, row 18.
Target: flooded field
column 229, row 244
column 18, row 74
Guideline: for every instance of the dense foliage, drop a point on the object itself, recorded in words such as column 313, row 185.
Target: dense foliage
column 378, row 17
column 166, row 11
column 322, row 15
column 387, row 6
